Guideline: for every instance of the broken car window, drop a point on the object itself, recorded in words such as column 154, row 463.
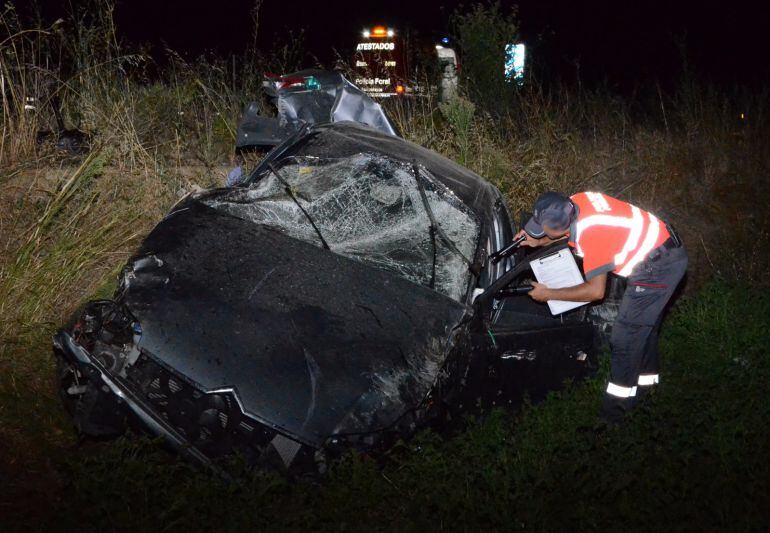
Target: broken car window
column 368, row 208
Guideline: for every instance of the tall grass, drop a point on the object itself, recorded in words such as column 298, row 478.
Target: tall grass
column 697, row 158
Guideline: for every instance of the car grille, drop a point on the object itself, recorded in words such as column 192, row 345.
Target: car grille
column 212, row 422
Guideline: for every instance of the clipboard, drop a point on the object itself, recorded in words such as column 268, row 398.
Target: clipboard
column 556, row 271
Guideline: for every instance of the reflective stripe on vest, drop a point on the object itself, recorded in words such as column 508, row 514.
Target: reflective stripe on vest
column 635, row 224
column 649, row 243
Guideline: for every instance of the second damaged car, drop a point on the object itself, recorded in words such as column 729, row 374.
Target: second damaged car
column 340, row 297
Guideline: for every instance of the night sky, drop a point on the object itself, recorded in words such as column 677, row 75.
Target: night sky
column 618, row 42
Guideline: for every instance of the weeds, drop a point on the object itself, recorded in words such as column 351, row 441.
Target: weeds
column 459, row 114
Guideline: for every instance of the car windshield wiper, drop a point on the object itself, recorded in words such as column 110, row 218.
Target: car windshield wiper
column 435, row 229
column 287, row 187
column 432, row 227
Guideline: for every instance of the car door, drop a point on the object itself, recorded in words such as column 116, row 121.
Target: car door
column 532, row 351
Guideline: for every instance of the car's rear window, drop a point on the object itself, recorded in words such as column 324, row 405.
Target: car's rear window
column 369, row 208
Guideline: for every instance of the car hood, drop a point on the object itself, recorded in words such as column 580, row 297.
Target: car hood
column 310, row 342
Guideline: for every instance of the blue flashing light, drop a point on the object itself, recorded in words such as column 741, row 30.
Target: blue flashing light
column 445, row 40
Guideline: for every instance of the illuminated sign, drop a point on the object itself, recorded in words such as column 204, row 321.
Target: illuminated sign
column 372, row 81
column 375, row 46
column 379, row 62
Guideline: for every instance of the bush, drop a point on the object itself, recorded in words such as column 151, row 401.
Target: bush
column 481, row 34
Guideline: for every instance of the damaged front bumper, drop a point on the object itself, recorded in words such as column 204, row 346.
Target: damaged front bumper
column 201, row 427
column 80, row 362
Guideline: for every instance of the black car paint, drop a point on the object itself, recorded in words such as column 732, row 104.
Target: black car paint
column 318, row 347
column 309, row 341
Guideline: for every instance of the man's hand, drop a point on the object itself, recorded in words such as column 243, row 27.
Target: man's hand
column 529, row 240
column 591, row 290
column 540, row 293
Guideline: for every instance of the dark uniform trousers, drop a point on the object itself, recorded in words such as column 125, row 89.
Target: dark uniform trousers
column 634, row 340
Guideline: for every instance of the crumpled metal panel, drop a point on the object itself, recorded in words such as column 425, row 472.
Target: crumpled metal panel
column 354, row 105
column 335, row 99
column 311, row 342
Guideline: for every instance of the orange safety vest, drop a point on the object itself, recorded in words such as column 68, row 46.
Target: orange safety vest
column 612, row 235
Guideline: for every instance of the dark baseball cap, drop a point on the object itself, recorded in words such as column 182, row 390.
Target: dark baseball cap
column 552, row 209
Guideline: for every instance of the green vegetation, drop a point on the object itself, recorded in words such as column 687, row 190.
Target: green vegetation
column 694, row 457
column 482, row 31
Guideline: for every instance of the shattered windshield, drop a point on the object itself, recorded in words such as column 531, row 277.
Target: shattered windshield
column 368, row 208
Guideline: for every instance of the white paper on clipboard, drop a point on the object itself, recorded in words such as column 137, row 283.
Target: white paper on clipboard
column 556, row 271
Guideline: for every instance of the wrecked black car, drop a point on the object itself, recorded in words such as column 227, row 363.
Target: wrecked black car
column 341, row 296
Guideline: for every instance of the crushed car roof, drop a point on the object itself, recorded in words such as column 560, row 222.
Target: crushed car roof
column 344, row 139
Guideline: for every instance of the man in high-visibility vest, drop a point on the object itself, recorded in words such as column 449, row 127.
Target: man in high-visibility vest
column 614, row 236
